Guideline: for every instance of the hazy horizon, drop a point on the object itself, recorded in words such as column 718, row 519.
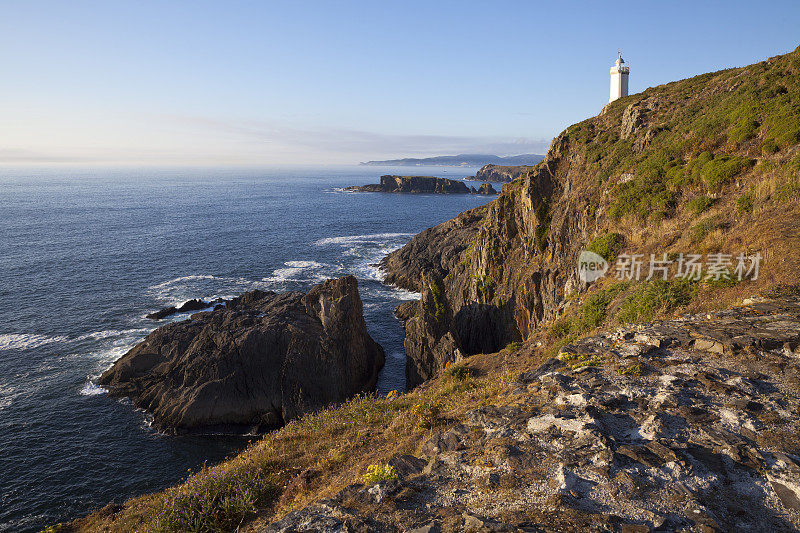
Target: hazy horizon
column 240, row 84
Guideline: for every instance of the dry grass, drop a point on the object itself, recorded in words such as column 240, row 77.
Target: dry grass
column 308, row 459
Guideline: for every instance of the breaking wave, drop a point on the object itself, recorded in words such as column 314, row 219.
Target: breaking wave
column 300, row 271
column 27, row 341
column 354, row 239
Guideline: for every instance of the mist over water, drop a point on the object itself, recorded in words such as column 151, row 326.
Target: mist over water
column 85, row 255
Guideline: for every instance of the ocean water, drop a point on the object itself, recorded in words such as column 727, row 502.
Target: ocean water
column 84, row 255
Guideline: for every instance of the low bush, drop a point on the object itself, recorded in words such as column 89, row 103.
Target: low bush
column 700, row 231
column 633, row 370
column 699, row 204
column 607, row 246
column 379, row 472
column 459, row 372
column 657, row 296
column 744, row 204
column 588, row 316
column 427, row 414
column 722, row 168
column 513, row 346
column 644, row 198
column 214, row 499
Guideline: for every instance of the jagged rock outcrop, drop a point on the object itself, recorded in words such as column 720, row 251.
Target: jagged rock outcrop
column 634, row 169
column 414, row 185
column 486, row 188
column 496, row 284
column 682, row 425
column 435, row 251
column 194, row 304
column 257, row 362
column 635, row 116
column 500, row 173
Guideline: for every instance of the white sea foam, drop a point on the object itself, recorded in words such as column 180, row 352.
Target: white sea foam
column 26, row 341
column 402, row 294
column 182, row 279
column 300, row 271
column 177, row 291
column 354, row 239
column 91, row 389
column 110, row 333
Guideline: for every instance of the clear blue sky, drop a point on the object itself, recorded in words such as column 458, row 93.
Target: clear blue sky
column 227, row 82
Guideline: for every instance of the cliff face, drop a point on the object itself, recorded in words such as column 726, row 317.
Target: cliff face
column 487, row 278
column 708, row 164
column 501, row 173
column 257, row 362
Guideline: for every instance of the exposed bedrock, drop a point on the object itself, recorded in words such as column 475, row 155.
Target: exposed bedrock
column 257, row 362
column 489, row 276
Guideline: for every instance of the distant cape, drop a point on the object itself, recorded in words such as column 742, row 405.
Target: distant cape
column 461, row 160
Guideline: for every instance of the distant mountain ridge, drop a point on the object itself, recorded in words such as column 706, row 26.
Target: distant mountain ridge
column 461, row 160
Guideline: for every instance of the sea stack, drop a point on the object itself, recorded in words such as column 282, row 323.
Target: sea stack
column 253, row 364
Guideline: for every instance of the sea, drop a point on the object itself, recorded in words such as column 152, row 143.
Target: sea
column 86, row 254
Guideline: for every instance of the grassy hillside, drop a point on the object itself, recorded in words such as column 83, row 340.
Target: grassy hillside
column 705, row 164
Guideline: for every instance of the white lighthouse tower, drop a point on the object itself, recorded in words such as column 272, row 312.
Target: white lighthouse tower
column 619, row 79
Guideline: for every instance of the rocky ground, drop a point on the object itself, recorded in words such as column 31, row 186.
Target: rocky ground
column 689, row 424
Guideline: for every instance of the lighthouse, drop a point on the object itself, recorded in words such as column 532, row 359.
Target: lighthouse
column 619, row 79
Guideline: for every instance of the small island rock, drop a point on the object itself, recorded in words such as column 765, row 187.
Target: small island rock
column 254, row 363
column 414, row 185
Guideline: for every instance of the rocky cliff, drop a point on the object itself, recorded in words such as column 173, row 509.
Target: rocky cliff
column 501, row 173
column 704, row 165
column 257, row 362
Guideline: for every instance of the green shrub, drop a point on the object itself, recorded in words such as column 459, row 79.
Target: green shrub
column 633, row 370
column 722, row 168
column 588, row 316
column 700, row 231
column 769, row 147
column 607, row 246
column 644, row 198
column 213, row 500
column 744, row 204
column 576, row 361
column 561, row 328
column 485, row 284
column 699, row 204
column 655, row 296
column 436, row 306
column 513, row 346
column 460, row 372
column 427, row 414
column 379, row 472
column 743, row 130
